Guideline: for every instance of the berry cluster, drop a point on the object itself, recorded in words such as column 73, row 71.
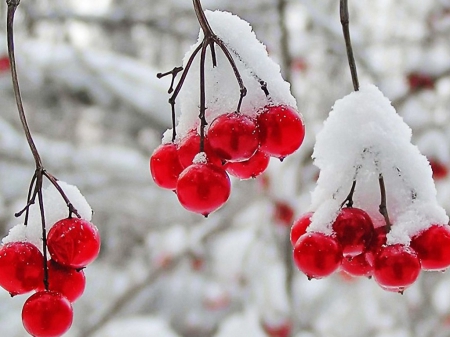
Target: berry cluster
column 72, row 244
column 234, row 143
column 360, row 249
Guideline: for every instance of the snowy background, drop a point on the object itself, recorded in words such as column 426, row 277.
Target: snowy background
column 88, row 75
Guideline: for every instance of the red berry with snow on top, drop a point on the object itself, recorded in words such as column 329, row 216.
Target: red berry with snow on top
column 73, row 242
column 433, row 247
column 203, row 188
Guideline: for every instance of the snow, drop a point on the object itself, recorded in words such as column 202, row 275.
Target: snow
column 362, row 138
column 221, row 86
column 55, row 210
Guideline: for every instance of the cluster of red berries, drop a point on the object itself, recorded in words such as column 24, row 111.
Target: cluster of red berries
column 234, row 143
column 72, row 244
column 360, row 249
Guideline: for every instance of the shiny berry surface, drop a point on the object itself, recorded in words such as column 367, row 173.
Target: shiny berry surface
column 73, row 242
column 21, row 267
column 433, row 247
column 165, row 166
column 47, row 314
column 281, row 131
column 317, row 255
column 354, row 230
column 250, row 168
column 189, row 147
column 299, row 227
column 203, row 188
column 396, row 267
column 233, row 136
column 64, row 280
column 357, row 265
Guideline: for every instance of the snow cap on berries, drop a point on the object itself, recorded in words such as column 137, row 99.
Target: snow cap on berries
column 362, row 138
column 55, row 209
column 221, row 87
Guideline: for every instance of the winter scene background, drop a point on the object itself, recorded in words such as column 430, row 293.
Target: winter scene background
column 97, row 111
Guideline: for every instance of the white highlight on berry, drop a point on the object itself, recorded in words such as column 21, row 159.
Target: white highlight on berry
column 362, row 138
column 221, row 86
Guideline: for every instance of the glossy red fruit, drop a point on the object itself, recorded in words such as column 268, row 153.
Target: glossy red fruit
column 299, row 227
column 317, row 255
column 281, row 130
column 21, row 267
column 250, row 168
column 233, row 136
column 357, row 265
column 189, row 147
column 64, row 280
column 283, row 213
column 396, row 267
column 165, row 166
column 354, row 230
column 47, row 314
column 433, row 247
column 203, row 188
column 73, row 242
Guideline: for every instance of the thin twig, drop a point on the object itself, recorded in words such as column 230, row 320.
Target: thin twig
column 348, row 43
column 383, row 208
column 349, row 199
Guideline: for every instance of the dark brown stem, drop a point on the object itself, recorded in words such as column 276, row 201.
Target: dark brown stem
column 12, row 6
column 383, row 208
column 35, row 188
column 349, row 199
column 44, row 230
column 54, row 181
column 202, row 116
column 348, row 43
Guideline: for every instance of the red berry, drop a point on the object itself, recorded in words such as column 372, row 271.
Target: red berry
column 357, row 265
column 64, row 280
column 284, row 214
column 433, row 247
column 4, row 63
column 317, row 255
column 281, row 130
column 250, row 168
column 396, row 267
column 282, row 329
column 354, row 229
column 21, row 267
column 233, row 136
column 189, row 147
column 47, row 314
column 299, row 227
column 73, row 242
column 418, row 81
column 203, row 188
column 440, row 171
column 165, row 166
